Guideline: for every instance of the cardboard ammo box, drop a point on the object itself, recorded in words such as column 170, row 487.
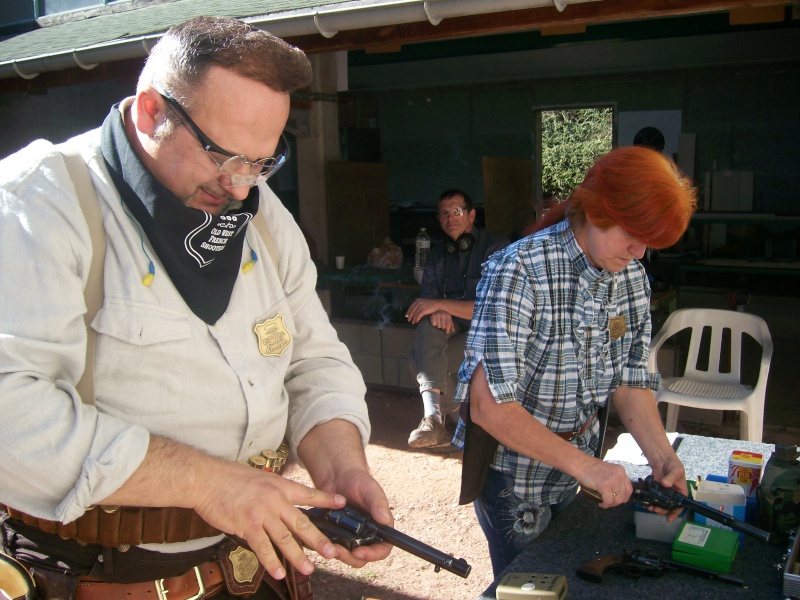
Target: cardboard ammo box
column 744, row 469
column 706, row 547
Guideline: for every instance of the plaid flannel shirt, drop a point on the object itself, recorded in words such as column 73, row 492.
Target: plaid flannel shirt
column 540, row 329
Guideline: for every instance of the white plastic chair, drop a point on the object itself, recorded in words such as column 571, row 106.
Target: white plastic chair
column 712, row 389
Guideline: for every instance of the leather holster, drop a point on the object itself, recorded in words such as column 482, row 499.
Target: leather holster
column 479, row 449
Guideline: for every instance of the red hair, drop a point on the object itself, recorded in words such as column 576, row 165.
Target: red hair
column 551, row 217
column 640, row 190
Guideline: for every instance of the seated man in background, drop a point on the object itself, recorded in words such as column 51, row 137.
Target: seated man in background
column 448, row 293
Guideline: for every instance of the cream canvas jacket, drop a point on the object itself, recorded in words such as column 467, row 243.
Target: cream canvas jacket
column 158, row 369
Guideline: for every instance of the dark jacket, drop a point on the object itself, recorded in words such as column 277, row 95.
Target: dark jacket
column 454, row 274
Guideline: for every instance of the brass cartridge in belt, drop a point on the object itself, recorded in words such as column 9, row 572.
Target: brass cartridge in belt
column 271, row 460
column 276, row 459
column 259, row 462
column 283, row 456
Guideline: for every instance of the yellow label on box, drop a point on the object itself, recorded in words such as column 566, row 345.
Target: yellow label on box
column 744, row 469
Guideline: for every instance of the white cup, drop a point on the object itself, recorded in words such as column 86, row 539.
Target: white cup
column 340, row 262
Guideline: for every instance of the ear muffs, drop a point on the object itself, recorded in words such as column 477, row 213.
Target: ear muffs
column 463, row 243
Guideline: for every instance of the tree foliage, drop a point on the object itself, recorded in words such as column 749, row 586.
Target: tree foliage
column 571, row 140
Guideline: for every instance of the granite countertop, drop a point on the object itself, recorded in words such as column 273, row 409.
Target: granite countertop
column 585, row 531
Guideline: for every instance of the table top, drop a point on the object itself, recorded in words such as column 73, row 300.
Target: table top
column 779, row 266
column 585, row 531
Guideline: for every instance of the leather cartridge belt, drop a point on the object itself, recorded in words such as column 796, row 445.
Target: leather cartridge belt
column 114, row 526
column 136, row 525
column 203, row 581
column 571, row 435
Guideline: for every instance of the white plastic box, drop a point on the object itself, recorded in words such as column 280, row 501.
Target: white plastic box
column 651, row 526
column 725, row 497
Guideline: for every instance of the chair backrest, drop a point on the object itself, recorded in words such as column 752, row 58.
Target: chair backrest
column 723, row 348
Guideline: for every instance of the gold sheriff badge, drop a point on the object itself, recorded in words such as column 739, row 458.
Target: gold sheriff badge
column 616, row 327
column 273, row 337
column 245, row 565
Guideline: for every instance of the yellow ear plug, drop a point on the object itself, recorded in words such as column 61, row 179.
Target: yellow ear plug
column 148, row 279
column 250, row 263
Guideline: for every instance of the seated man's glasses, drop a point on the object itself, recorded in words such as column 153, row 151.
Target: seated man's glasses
column 240, row 171
column 453, row 212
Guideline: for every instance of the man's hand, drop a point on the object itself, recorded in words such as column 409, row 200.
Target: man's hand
column 261, row 508
column 421, row 308
column 441, row 311
column 367, row 494
column 443, row 320
column 335, row 459
column 255, row 505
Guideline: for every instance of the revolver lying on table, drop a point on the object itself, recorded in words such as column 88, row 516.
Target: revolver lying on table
column 636, row 563
column 351, row 528
column 648, row 492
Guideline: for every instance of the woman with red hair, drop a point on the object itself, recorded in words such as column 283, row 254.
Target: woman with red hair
column 561, row 326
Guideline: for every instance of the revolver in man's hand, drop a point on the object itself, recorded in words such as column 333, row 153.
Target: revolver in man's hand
column 351, row 528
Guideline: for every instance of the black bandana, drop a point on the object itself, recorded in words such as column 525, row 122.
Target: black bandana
column 200, row 252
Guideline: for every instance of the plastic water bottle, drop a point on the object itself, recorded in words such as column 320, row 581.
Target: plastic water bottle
column 423, row 247
column 780, row 484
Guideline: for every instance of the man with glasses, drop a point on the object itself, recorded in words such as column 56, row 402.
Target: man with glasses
column 210, row 350
column 442, row 313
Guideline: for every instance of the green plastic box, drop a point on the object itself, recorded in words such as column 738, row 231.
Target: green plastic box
column 705, row 547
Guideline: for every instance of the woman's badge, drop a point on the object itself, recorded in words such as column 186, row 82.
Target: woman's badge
column 616, row 327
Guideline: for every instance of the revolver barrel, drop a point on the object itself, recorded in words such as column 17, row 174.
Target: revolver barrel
column 349, row 522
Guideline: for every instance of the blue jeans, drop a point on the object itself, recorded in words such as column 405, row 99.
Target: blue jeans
column 509, row 523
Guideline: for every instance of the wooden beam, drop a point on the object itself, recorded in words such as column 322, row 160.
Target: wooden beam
column 749, row 15
column 588, row 13
column 563, row 29
column 381, row 39
column 123, row 71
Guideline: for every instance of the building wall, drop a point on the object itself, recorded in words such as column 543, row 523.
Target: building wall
column 58, row 114
column 744, row 119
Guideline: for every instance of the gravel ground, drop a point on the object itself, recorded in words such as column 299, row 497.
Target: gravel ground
column 422, row 488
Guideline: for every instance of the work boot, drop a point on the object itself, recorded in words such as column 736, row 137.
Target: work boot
column 429, row 434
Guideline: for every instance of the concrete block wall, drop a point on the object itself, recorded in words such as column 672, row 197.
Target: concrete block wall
column 381, row 353
column 397, row 340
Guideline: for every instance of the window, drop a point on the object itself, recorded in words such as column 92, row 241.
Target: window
column 568, row 141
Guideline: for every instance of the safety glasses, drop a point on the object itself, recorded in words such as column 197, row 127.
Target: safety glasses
column 238, row 170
